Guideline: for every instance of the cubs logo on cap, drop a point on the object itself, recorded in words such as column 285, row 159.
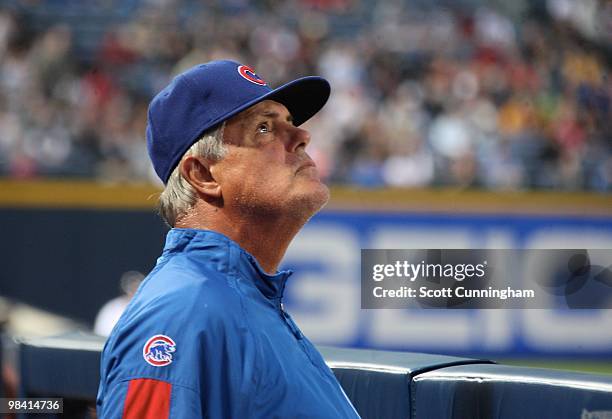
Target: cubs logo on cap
column 249, row 74
column 158, row 350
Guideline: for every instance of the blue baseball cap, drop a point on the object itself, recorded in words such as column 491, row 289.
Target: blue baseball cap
column 208, row 94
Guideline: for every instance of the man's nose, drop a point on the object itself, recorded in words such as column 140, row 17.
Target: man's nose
column 298, row 138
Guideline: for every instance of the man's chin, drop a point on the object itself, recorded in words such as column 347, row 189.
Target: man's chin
column 317, row 197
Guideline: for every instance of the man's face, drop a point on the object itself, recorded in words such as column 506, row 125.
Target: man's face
column 267, row 170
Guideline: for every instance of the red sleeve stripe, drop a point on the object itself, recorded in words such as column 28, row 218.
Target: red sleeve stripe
column 147, row 399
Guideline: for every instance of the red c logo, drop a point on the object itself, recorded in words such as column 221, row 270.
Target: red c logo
column 249, row 74
column 158, row 350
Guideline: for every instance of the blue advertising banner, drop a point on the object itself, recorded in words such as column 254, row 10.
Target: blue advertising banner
column 324, row 293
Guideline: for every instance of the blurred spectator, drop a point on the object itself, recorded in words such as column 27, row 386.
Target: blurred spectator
column 110, row 312
column 423, row 94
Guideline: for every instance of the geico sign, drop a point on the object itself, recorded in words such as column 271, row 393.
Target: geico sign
column 324, row 294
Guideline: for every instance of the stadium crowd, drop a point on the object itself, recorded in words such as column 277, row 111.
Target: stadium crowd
column 422, row 96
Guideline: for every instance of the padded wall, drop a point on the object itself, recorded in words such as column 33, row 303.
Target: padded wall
column 505, row 392
column 380, row 384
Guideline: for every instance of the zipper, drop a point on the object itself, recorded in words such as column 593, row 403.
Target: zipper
column 289, row 322
column 306, row 347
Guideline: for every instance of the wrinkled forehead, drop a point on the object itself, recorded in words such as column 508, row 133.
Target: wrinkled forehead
column 265, row 108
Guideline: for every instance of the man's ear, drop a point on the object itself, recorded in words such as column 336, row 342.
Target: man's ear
column 196, row 171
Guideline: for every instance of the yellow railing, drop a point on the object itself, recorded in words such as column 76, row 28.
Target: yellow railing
column 86, row 194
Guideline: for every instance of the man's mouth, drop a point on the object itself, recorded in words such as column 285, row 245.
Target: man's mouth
column 306, row 165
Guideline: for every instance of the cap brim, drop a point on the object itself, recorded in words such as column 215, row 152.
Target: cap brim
column 303, row 97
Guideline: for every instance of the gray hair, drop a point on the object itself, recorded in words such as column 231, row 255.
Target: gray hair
column 179, row 196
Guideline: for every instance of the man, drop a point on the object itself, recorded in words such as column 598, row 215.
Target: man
column 206, row 334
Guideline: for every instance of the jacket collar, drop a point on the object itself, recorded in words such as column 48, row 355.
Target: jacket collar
column 225, row 255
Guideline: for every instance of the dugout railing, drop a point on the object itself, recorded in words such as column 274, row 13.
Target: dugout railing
column 385, row 385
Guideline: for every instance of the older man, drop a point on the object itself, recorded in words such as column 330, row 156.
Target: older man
column 206, row 334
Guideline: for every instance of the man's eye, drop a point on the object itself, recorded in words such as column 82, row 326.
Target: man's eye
column 263, row 128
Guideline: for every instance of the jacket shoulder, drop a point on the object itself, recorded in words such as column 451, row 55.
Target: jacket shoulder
column 195, row 309
column 183, row 289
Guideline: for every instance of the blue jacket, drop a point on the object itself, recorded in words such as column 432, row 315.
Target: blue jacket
column 206, row 336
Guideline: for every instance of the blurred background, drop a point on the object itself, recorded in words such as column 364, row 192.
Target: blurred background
column 465, row 93
column 452, row 124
